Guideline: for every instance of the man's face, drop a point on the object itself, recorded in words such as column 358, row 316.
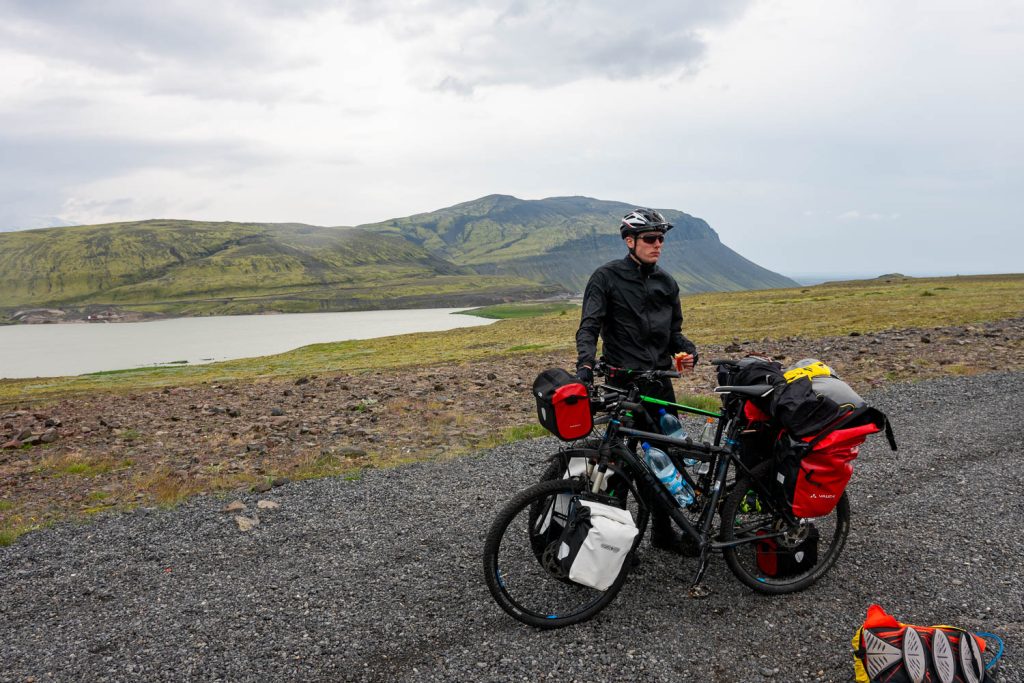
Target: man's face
column 648, row 246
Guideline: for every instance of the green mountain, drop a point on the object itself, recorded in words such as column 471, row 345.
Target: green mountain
column 189, row 268
column 562, row 239
column 497, row 248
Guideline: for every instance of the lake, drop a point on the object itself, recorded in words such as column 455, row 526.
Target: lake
column 77, row 348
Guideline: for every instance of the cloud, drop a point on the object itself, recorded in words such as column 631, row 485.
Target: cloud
column 233, row 51
column 542, row 43
column 124, row 36
column 39, row 173
column 205, row 50
column 874, row 216
column 75, row 158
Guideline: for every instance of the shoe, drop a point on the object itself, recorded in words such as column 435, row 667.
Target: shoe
column 675, row 542
column 750, row 503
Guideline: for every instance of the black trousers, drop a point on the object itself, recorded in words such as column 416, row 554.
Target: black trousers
column 661, row 523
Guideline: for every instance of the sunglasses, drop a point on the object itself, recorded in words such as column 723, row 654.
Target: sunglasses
column 651, row 239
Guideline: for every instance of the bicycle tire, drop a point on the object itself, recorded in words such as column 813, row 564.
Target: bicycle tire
column 522, row 584
column 739, row 520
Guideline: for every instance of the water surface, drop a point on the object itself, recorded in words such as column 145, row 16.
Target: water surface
column 77, row 348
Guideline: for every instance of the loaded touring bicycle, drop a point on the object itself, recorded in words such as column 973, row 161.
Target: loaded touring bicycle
column 561, row 550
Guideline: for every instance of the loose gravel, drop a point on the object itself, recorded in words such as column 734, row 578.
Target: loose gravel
column 380, row 579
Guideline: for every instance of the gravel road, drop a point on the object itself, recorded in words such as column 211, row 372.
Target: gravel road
column 379, row 579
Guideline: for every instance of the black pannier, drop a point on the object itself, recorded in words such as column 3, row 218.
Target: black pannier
column 801, row 410
column 750, row 371
column 563, row 404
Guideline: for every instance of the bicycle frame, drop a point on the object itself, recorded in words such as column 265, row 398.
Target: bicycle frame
column 614, row 447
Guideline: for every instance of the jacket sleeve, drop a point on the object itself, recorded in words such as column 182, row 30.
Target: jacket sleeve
column 678, row 342
column 595, row 306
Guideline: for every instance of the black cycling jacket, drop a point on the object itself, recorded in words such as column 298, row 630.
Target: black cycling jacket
column 635, row 309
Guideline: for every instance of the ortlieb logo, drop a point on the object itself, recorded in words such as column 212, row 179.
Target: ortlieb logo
column 611, row 548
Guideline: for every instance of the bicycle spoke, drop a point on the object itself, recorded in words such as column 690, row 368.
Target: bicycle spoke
column 778, row 557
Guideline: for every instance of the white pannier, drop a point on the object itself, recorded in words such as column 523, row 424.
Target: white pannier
column 595, row 543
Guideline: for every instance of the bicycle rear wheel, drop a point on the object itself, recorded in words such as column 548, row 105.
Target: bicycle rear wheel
column 773, row 563
column 520, row 566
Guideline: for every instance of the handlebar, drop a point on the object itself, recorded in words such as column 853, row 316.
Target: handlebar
column 602, row 368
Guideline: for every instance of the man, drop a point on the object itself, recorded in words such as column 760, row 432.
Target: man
column 634, row 307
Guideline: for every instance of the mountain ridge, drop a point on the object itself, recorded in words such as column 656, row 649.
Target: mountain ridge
column 488, row 250
column 563, row 239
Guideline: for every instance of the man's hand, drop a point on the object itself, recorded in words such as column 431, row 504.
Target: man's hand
column 684, row 361
column 586, row 374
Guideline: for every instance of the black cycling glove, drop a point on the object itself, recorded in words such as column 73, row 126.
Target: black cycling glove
column 585, row 374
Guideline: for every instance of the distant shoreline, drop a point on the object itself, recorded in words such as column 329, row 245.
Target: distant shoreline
column 807, row 279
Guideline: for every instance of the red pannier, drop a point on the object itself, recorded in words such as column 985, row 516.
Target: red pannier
column 814, row 471
column 563, row 404
column 825, row 471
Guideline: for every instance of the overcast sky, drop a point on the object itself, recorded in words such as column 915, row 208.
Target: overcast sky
column 816, row 137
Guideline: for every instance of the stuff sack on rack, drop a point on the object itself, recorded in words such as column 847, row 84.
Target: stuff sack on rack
column 885, row 650
column 596, row 541
column 749, row 371
column 811, row 398
column 563, row 404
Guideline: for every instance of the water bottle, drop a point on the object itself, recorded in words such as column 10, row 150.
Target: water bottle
column 707, row 435
column 671, row 426
column 663, row 468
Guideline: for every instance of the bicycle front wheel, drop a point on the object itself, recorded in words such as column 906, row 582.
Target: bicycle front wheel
column 777, row 557
column 520, row 560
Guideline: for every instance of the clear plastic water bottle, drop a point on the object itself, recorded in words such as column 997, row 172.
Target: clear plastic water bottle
column 671, row 426
column 663, row 468
column 707, row 435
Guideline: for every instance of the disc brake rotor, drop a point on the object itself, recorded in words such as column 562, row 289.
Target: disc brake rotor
column 792, row 536
column 549, row 560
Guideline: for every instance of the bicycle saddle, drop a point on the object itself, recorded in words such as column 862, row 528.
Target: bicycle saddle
column 752, row 391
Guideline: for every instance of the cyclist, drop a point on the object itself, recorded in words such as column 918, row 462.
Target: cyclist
column 633, row 305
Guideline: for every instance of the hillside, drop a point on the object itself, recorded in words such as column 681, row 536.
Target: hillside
column 189, row 267
column 497, row 248
column 562, row 239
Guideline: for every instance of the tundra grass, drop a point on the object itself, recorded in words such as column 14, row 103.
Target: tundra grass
column 821, row 310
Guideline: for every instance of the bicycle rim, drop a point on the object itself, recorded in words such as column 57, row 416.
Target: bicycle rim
column 520, row 565
column 770, row 563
